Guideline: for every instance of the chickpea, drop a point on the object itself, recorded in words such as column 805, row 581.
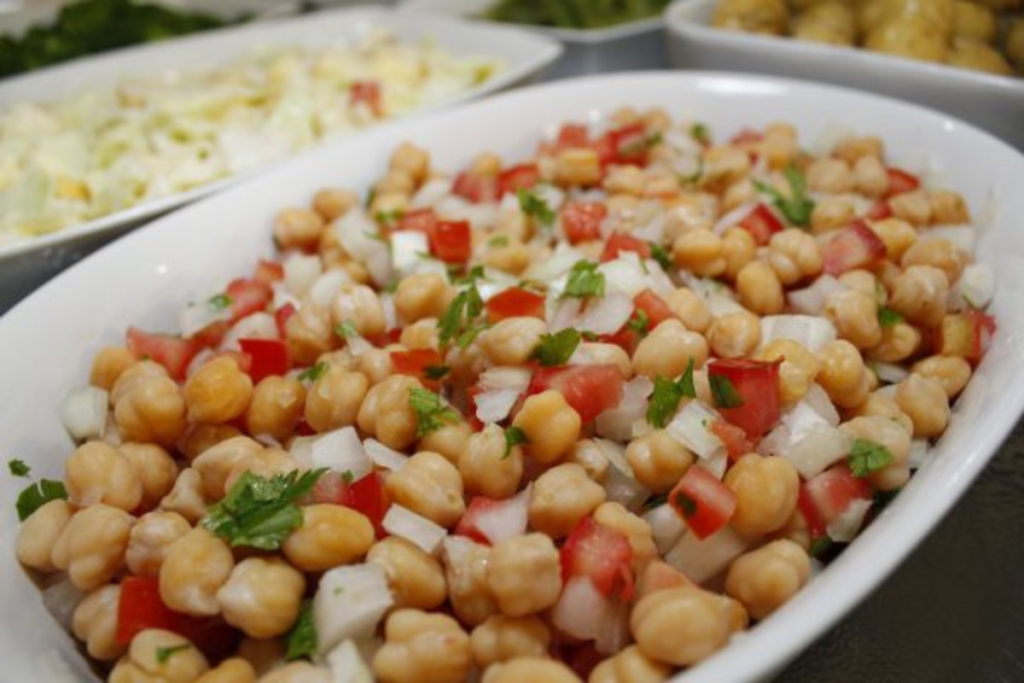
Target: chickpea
column 297, row 672
column 870, row 177
column 360, row 305
column 202, row 437
column 855, row 316
column 330, row 535
column 766, row 491
column 524, row 574
column 92, row 544
column 550, row 424
column 694, row 211
column 920, row 294
column 450, row 440
column 218, row 391
column 98, row 473
column 628, row 179
column 422, row 647
column 186, row 498
column 893, row 436
column 658, row 461
column 794, row 255
column 853, row 148
column 134, row 376
column 149, row 540
column 830, row 214
column 952, row 372
column 297, row 228
column 422, row 295
column 214, row 465
column 779, row 145
column 561, row 497
column 630, row 666
column 636, row 530
column 397, row 181
column 276, row 407
column 830, row 175
column 386, row 413
column 108, row 364
column 924, row 401
column 267, row 464
column 145, row 662
column 501, row 638
column 376, row 365
column 937, row 252
column 579, row 166
column 415, row 578
column 511, row 341
column 509, row 255
column 38, row 534
column 466, row 574
column 154, row 468
column 798, row 370
column 701, row 252
column 759, row 289
column 332, row 203
column 422, row 334
column 597, row 353
column 194, row 569
column 309, row 334
column 897, row 235
column 880, row 405
column 842, row 371
column 913, row 207
column 588, row 455
column 412, row 159
column 262, row 596
column 948, row 207
column 690, row 308
column 388, row 202
column 335, row 398
column 537, row 669
column 234, row 670
column 681, row 626
column 735, row 335
column 724, row 166
column 668, row 350
column 429, row 485
column 766, row 578
column 899, row 342
column 153, row 411
column 488, row 467
column 95, row 623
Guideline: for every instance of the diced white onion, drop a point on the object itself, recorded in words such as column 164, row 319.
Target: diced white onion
column 689, row 427
column 282, row 297
column 347, row 664
column 977, row 285
column 358, row 345
column 801, row 419
column 357, row 233
column 617, row 423
column 349, row 604
column 702, row 560
column 890, row 373
column 613, row 632
column 506, row 519
column 963, row 236
column 480, row 216
column 341, row 451
column 84, row 413
column 505, row 377
column 607, row 315
column 653, row 230
column 621, row 485
column 383, row 456
column 378, row 265
column 387, row 302
column 255, row 326
column 625, row 274
column 845, row 527
column 818, row 399
column 559, row 263
column 197, row 317
column 563, row 314
column 667, row 527
column 417, row 529
column 327, row 286
column 580, row 609
column 918, row 453
column 660, row 282
column 495, row 405
column 810, row 331
column 733, row 217
column 407, row 249
column 822, row 447
column 716, row 464
column 550, row 195
column 300, row 272
column 431, row 192
column 301, row 450
column 811, row 300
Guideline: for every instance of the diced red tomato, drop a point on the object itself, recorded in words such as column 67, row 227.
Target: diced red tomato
column 757, row 383
column 140, row 608
column 626, row 338
column 521, row 177
column 735, row 439
column 625, row 145
column 369, row 93
column 476, row 188
column 243, row 359
column 854, row 246
column 815, row 527
column 573, row 135
column 269, row 357
column 478, row 507
column 268, row 272
column 451, row 241
column 415, row 363
column 515, row 302
column 900, row 182
column 248, row 297
column 619, row 242
column 967, row 335
column 589, row 389
column 761, row 223
column 747, row 136
column 654, row 307
column 211, row 335
column 827, row 495
column 174, row 353
column 704, row 502
column 281, row 316
column 582, row 220
column 880, row 211
column 422, row 220
column 601, row 554
column 366, row 495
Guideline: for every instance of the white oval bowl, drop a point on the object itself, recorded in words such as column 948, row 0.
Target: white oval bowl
column 48, row 340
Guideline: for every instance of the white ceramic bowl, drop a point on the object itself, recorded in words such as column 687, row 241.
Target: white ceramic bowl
column 995, row 103
column 626, row 47
column 47, row 341
column 25, row 264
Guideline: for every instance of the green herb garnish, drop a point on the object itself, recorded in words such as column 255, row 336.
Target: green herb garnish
column 700, row 133
column 18, row 468
column 431, row 412
column 888, row 317
column 724, row 393
column 661, row 255
column 514, row 436
column 388, row 217
column 797, row 207
column 165, row 653
column 635, row 147
column 535, row 207
column 820, row 546
column 498, row 241
column 219, row 302
column 639, row 323
column 556, row 349
column 37, row 495
column 314, row 373
column 584, row 280
column 655, row 501
column 459, row 322
column 867, row 457
column 302, row 640
column 346, row 329
column 667, row 394
column 687, row 505
column 436, row 372
column 475, row 273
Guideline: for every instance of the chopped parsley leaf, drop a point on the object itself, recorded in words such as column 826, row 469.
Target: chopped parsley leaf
column 584, row 280
column 820, row 546
column 514, row 436
column 388, row 217
column 314, row 373
column 666, row 396
column 535, row 207
column 37, row 495
column 165, row 653
column 219, row 302
column 18, row 468
column 346, row 329
column 556, row 349
column 436, row 372
column 635, row 147
column 656, row 501
column 431, row 413
column 302, row 640
column 458, row 321
column 888, row 317
column 724, row 393
column 700, row 133
column 498, row 241
column 260, row 512
column 475, row 273
column 867, row 457
column 661, row 255
column 687, row 505
column 639, row 323
column 797, row 207
column 348, row 477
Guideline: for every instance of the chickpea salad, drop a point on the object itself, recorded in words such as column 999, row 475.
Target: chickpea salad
column 101, row 151
column 580, row 416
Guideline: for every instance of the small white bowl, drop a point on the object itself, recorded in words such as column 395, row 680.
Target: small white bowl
column 995, row 103
column 47, row 341
column 625, row 47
